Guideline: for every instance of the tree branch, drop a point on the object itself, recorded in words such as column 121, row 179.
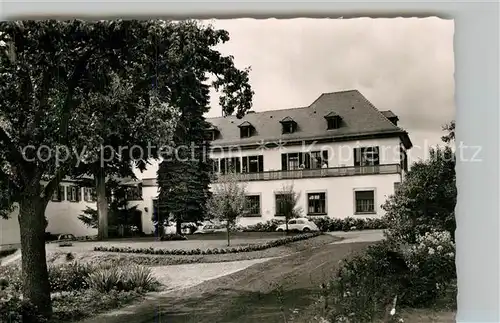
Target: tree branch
column 68, row 102
column 14, row 153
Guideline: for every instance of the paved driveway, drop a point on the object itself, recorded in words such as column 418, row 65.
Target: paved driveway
column 358, row 236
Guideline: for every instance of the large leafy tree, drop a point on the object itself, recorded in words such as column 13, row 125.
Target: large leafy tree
column 59, row 80
column 127, row 139
column 184, row 173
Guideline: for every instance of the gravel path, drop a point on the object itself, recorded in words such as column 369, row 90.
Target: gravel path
column 184, row 276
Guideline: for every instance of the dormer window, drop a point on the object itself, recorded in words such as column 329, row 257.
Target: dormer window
column 333, row 120
column 246, row 129
column 211, row 133
column 288, row 125
column 391, row 116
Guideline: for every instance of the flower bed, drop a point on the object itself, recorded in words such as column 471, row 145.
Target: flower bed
column 214, row 251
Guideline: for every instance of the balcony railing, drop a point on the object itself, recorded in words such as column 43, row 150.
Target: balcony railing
column 315, row 173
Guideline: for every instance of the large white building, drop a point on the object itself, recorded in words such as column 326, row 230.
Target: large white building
column 343, row 156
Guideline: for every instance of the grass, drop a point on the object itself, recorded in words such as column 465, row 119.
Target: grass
column 164, row 260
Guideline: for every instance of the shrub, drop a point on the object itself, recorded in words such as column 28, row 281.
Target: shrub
column 173, row 237
column 69, row 277
column 327, row 224
column 268, row 226
column 425, row 200
column 365, row 284
column 122, row 279
column 15, row 310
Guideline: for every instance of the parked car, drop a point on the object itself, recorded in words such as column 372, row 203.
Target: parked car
column 186, row 228
column 211, row 228
column 299, row 224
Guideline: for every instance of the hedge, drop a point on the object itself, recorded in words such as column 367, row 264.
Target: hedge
column 324, row 224
column 214, row 251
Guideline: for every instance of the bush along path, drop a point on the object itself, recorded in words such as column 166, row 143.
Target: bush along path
column 325, row 224
column 77, row 290
column 214, row 251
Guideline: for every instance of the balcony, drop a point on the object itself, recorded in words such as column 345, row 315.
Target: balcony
column 315, row 173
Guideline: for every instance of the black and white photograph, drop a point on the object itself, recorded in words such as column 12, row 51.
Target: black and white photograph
column 228, row 170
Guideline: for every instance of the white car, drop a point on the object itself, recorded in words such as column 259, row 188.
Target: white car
column 299, row 224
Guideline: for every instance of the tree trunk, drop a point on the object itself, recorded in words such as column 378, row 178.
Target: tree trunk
column 228, row 235
column 36, row 287
column 102, row 204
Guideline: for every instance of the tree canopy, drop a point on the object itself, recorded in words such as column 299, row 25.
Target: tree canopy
column 69, row 87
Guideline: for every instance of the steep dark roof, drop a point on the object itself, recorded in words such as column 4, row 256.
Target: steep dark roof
column 332, row 114
column 359, row 118
column 287, row 119
column 389, row 114
column 245, row 124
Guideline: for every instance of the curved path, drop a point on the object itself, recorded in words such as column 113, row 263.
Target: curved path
column 247, row 295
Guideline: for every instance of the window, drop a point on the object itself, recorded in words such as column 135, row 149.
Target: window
column 245, row 132
column 280, row 204
column 316, row 159
column 253, row 164
column 89, row 194
column 288, row 127
column 74, row 194
column 316, row 203
column 230, row 164
column 333, row 122
column 292, row 222
column 58, row 194
column 291, row 161
column 365, row 202
column 366, row 156
column 210, row 135
column 253, row 205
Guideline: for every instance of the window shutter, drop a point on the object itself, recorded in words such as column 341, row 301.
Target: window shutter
column 78, row 194
column 357, row 155
column 325, row 157
column 301, row 158
column 376, row 162
column 261, row 163
column 307, row 161
column 283, row 162
column 245, row 164
column 237, row 163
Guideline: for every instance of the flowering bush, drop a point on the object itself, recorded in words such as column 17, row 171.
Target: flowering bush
column 432, row 267
column 69, row 277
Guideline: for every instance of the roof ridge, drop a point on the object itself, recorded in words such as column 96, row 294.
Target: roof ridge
column 258, row 112
column 379, row 112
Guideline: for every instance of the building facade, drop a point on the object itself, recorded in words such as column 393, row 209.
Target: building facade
column 342, row 156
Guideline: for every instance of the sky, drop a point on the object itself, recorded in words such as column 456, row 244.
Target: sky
column 401, row 64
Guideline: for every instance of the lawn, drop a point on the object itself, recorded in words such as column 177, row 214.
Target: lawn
column 83, row 251
column 195, row 241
